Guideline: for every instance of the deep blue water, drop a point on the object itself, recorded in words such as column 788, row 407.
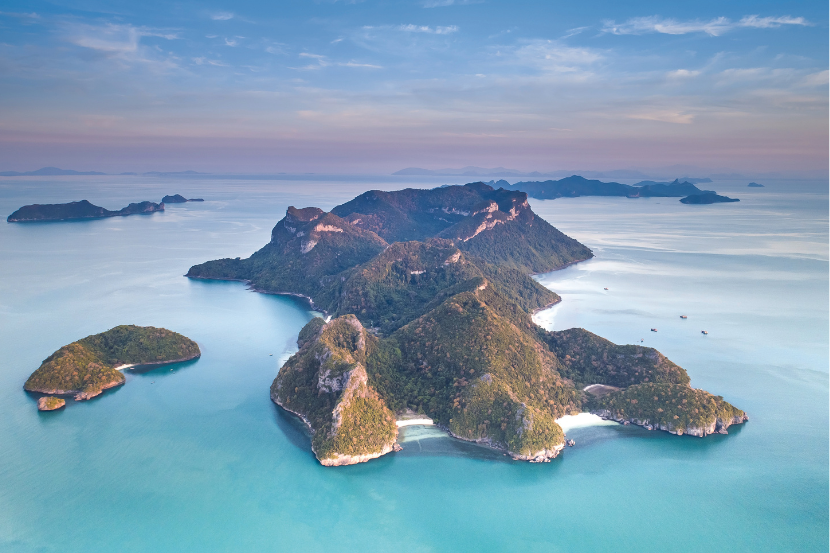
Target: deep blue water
column 197, row 458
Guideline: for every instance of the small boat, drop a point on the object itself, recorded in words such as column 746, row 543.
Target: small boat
column 654, row 330
column 605, row 288
column 683, row 317
column 704, row 332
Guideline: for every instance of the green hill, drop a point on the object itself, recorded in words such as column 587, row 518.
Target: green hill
column 432, row 298
column 87, row 367
column 675, row 408
column 327, row 385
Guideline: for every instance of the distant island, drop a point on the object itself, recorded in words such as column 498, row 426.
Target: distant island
column 708, row 198
column 48, row 172
column 430, row 298
column 755, row 185
column 55, row 172
column 89, row 366
column 77, row 210
column 178, row 199
column 480, row 172
column 575, row 186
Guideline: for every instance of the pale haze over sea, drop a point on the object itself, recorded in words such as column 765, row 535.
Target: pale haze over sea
column 199, row 458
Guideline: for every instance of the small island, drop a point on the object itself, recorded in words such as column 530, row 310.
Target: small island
column 430, row 302
column 710, row 198
column 77, row 211
column 179, row 199
column 50, row 403
column 755, row 185
column 89, row 366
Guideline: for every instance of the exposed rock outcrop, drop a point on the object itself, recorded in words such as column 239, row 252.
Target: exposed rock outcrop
column 717, row 426
column 50, row 403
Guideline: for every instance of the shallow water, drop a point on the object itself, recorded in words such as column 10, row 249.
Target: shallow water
column 198, row 458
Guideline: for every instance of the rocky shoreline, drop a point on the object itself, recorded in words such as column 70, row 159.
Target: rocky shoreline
column 340, row 460
column 718, row 426
column 80, row 395
column 543, row 456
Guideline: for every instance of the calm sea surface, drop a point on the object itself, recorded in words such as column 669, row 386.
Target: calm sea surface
column 197, row 458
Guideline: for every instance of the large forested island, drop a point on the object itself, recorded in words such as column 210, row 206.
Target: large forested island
column 89, row 366
column 431, row 299
column 77, row 210
column 575, row 186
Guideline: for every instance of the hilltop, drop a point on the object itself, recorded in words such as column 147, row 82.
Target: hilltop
column 88, row 366
column 431, row 300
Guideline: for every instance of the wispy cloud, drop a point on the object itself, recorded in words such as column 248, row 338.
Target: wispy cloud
column 426, row 29
column 445, row 3
column 205, row 61
column 324, row 61
column 664, row 116
column 682, row 74
column 113, row 38
column 712, row 27
column 355, row 64
column 553, row 56
column 222, row 16
column 575, row 31
column 231, row 42
column 20, row 15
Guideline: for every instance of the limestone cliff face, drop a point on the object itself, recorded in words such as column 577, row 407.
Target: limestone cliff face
column 327, row 385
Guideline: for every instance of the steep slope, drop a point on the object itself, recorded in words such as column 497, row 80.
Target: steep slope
column 409, row 278
column 326, row 384
column 473, row 370
column 497, row 226
column 674, row 408
column 590, row 359
column 413, row 214
column 507, row 233
column 308, row 248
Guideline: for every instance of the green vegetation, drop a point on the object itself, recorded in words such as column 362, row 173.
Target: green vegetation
column 307, row 248
column 326, row 383
column 675, row 407
column 86, row 367
column 589, row 359
column 431, row 298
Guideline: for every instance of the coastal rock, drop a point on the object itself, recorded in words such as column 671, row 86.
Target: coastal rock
column 326, row 384
column 50, row 403
column 716, row 426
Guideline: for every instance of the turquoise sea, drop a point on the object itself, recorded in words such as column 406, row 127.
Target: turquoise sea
column 195, row 457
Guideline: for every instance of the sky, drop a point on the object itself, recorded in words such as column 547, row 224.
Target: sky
column 374, row 86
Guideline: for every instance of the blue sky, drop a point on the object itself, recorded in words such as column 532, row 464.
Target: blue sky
column 375, row 86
